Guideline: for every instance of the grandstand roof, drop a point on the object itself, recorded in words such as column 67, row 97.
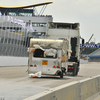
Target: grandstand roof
column 27, row 6
column 95, row 53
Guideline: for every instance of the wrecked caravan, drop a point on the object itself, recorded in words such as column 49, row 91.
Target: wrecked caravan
column 48, row 56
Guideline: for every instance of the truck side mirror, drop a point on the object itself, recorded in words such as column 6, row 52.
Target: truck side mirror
column 82, row 42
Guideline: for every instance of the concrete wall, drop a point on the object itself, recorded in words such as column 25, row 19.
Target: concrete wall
column 19, row 61
column 13, row 61
column 83, row 61
column 94, row 59
column 80, row 90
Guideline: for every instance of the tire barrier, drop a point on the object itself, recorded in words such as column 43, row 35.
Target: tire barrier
column 79, row 90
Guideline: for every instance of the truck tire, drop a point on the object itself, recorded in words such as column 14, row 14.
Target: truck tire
column 78, row 64
column 75, row 71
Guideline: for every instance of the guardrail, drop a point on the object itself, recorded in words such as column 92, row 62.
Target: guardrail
column 78, row 90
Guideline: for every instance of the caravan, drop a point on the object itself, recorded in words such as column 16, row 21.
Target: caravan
column 50, row 56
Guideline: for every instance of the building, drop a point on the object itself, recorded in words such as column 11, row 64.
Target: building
column 14, row 39
column 12, row 34
column 95, row 56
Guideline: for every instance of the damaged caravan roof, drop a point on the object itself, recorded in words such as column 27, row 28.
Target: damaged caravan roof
column 47, row 43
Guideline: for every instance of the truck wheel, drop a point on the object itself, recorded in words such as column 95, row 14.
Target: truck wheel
column 61, row 74
column 75, row 71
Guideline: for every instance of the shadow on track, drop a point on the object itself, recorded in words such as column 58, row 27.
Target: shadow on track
column 74, row 76
column 51, row 77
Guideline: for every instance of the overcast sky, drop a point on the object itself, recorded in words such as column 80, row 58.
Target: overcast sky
column 85, row 12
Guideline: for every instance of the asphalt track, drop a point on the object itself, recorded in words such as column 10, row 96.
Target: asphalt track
column 16, row 85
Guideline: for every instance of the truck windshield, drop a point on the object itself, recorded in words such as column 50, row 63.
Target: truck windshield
column 38, row 53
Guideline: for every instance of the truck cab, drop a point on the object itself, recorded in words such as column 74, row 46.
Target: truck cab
column 70, row 32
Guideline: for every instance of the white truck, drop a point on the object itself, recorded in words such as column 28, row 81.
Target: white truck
column 70, row 32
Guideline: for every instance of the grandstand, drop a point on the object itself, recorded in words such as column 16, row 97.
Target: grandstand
column 95, row 56
column 18, row 24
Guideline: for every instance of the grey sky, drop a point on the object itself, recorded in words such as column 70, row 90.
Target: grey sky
column 86, row 12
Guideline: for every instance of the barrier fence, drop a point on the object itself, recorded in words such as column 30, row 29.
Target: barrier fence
column 79, row 90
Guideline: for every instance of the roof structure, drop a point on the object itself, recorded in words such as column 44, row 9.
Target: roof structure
column 95, row 53
column 19, row 10
column 27, row 6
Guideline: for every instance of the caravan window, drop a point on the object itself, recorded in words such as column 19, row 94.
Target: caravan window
column 38, row 53
column 41, row 54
